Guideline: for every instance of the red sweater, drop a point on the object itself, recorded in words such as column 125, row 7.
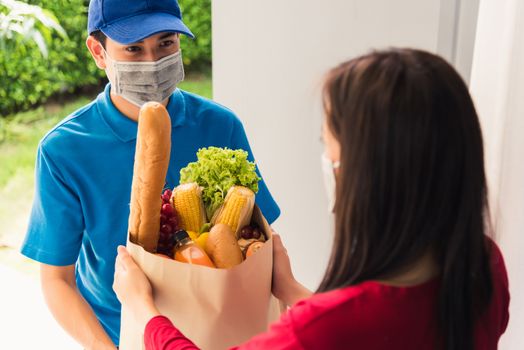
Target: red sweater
column 370, row 315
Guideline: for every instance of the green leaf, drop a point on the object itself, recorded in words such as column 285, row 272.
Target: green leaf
column 29, row 21
column 217, row 170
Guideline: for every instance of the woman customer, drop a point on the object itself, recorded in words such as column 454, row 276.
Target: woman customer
column 412, row 264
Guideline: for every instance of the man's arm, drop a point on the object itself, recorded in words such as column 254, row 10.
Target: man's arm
column 70, row 309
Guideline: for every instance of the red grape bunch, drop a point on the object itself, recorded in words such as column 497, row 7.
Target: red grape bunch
column 168, row 225
column 250, row 232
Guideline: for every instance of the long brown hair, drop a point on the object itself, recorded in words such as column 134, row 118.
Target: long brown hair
column 411, row 181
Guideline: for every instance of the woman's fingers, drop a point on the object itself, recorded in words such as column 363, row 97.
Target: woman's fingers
column 122, row 250
column 119, row 264
column 278, row 246
column 124, row 260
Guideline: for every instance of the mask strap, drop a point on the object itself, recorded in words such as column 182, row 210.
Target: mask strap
column 107, row 55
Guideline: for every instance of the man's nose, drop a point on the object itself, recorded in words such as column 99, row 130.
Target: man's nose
column 151, row 55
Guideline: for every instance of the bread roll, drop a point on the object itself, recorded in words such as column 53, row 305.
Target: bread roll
column 222, row 247
column 153, row 146
column 253, row 248
column 245, row 243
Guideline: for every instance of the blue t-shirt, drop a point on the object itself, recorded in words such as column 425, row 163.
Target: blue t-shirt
column 84, row 170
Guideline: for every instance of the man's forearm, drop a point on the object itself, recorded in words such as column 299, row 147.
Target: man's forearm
column 75, row 315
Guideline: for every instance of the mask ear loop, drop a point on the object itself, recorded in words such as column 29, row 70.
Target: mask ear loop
column 354, row 240
column 335, row 166
column 107, row 55
column 111, row 70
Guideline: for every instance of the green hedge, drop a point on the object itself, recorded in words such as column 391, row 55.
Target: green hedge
column 197, row 52
column 31, row 79
column 28, row 79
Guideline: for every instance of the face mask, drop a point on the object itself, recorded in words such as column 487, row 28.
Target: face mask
column 141, row 82
column 330, row 182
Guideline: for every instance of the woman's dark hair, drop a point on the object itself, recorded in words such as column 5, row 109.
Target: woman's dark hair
column 100, row 37
column 411, row 181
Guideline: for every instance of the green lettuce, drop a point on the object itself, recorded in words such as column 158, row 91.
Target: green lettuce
column 217, row 170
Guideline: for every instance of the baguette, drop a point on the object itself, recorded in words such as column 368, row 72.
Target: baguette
column 153, row 147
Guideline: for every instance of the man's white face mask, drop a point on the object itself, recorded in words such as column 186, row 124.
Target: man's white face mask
column 141, row 82
column 330, row 181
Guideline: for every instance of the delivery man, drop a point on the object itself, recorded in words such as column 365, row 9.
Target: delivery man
column 84, row 165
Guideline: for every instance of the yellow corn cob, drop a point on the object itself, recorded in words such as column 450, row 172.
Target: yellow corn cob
column 237, row 208
column 187, row 200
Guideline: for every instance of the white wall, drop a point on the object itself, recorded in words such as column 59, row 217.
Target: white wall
column 497, row 86
column 269, row 58
column 457, row 29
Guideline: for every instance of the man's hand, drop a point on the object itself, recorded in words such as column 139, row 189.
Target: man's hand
column 285, row 287
column 133, row 289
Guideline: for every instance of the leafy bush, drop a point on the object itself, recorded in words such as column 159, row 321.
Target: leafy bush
column 28, row 78
column 30, row 22
column 197, row 16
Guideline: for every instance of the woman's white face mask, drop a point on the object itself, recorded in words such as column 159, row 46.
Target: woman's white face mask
column 141, row 82
column 330, row 181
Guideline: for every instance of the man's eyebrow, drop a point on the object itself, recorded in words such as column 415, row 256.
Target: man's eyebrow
column 166, row 35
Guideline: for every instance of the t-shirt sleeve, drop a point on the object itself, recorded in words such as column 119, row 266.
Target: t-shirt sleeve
column 54, row 234
column 264, row 199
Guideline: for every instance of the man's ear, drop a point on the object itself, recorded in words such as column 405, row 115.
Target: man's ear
column 97, row 51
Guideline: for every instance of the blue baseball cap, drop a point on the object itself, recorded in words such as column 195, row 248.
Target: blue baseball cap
column 129, row 21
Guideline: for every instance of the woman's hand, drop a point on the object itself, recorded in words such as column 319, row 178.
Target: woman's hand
column 133, row 288
column 285, row 287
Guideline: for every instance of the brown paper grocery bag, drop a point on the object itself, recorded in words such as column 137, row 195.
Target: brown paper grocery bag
column 215, row 308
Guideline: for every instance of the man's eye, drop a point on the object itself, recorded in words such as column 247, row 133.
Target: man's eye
column 133, row 48
column 166, row 43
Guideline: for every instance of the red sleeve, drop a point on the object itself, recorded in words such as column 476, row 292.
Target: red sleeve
column 281, row 335
column 160, row 334
column 500, row 284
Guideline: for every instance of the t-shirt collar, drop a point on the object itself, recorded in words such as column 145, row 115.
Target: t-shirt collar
column 126, row 129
